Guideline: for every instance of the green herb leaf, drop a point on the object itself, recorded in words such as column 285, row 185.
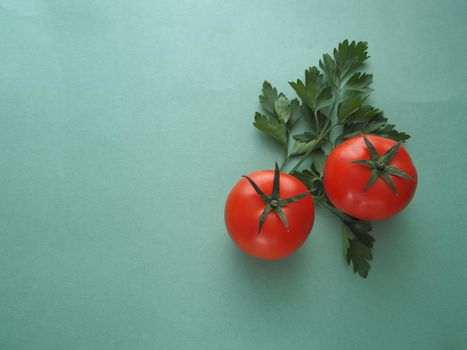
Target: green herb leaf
column 268, row 97
column 387, row 130
column 352, row 129
column 310, row 180
column 315, row 93
column 301, row 147
column 271, row 127
column 361, row 230
column 360, row 83
column 281, row 106
column 356, row 252
column 394, row 134
column 348, row 107
column 317, row 121
column 319, row 160
column 305, row 177
column 349, row 56
column 376, row 126
column 306, row 136
column 328, row 65
column 296, row 111
column 366, row 113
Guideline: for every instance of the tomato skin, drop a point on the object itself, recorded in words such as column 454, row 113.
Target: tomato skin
column 344, row 182
column 244, row 208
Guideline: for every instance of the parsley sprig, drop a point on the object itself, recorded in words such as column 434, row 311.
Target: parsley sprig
column 333, row 96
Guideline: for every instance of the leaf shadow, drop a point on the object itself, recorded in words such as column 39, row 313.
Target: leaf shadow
column 392, row 250
column 270, row 281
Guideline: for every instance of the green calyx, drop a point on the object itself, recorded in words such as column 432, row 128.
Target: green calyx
column 380, row 166
column 274, row 202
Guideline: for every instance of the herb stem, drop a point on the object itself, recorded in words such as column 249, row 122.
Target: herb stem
column 336, row 100
column 317, row 141
column 286, row 158
column 315, row 115
column 331, row 209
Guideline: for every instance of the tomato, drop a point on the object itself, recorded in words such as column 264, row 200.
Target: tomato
column 370, row 179
column 245, row 207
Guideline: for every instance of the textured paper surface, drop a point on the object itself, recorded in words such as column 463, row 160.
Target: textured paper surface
column 124, row 124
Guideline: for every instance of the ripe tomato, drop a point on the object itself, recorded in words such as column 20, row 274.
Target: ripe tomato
column 370, row 187
column 245, row 206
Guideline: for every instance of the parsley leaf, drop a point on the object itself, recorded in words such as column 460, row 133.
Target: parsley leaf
column 361, row 230
column 281, row 106
column 306, row 177
column 357, row 248
column 317, row 121
column 268, row 97
column 359, row 82
column 296, row 111
column 303, row 143
column 365, row 113
column 329, row 66
column 306, row 136
column 319, row 161
column 301, row 147
column 287, row 111
column 311, row 180
column 377, row 125
column 315, row 93
column 348, row 107
column 395, row 135
column 347, row 57
column 280, row 115
column 271, row 127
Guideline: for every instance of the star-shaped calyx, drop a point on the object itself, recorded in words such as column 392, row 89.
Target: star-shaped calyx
column 380, row 167
column 274, row 202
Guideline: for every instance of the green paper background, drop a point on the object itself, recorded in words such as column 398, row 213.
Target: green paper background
column 124, row 124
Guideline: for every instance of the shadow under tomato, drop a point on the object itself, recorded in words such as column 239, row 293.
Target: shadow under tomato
column 392, row 252
column 272, row 278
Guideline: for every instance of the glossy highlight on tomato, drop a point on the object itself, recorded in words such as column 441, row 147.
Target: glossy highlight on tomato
column 345, row 181
column 244, row 207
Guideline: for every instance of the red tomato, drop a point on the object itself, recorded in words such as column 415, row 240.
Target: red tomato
column 244, row 207
column 345, row 181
